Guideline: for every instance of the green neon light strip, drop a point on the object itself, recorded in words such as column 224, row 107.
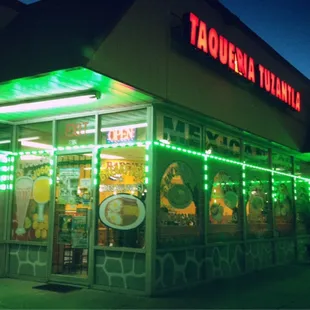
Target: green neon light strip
column 183, row 150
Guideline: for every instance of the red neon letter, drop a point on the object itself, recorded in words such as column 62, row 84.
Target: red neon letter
column 251, row 72
column 267, row 79
column 240, row 61
column 223, row 50
column 202, row 37
column 293, row 98
column 273, row 82
column 289, row 88
column 245, row 64
column 231, row 56
column 284, row 91
column 194, row 24
column 261, row 75
column 297, row 106
column 213, row 40
column 278, row 88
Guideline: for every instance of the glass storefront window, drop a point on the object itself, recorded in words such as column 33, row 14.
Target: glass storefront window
column 72, row 215
column 77, row 131
column 172, row 129
column 225, row 212
column 222, row 145
column 283, row 195
column 180, row 188
column 302, row 196
column 5, row 137
column 31, row 198
column 129, row 126
column 258, row 202
column 122, row 194
column 33, row 137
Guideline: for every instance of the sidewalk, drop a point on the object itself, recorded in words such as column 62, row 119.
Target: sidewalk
column 278, row 288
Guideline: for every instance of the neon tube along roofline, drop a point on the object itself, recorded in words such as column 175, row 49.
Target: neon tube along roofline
column 51, row 103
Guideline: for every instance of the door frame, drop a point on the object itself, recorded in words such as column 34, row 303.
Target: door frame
column 68, row 279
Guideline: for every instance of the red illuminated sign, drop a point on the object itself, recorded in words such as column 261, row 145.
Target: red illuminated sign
column 218, row 47
column 121, row 135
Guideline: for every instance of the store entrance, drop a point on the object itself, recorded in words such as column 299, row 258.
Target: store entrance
column 72, row 217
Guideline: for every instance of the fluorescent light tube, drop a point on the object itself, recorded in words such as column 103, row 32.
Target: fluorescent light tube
column 37, row 145
column 49, row 104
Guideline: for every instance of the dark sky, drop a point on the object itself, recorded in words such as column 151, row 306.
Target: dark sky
column 283, row 24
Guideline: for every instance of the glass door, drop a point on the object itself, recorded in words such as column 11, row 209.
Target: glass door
column 72, row 216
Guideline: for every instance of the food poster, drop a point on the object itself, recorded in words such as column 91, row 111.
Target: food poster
column 122, row 194
column 256, row 196
column 64, row 229
column 223, row 187
column 302, row 203
column 79, row 233
column 180, row 184
column 31, row 198
column 68, row 182
column 282, row 206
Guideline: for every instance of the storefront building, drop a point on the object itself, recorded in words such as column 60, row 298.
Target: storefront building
column 148, row 146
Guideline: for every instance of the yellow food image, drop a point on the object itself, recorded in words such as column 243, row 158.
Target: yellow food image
column 115, row 218
column 38, row 233
column 44, row 234
column 41, row 229
column 115, row 205
column 41, row 190
column 131, row 210
column 35, row 225
column 27, row 223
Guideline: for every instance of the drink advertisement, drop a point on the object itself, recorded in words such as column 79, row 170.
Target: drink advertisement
column 64, row 230
column 31, row 198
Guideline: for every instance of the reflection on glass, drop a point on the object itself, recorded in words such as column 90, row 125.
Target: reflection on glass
column 31, row 199
column 35, row 137
column 122, row 194
column 5, row 137
column 76, row 131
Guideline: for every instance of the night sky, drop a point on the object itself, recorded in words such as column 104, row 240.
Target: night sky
column 283, row 24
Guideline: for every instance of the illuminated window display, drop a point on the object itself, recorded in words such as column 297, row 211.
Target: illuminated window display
column 224, row 206
column 31, row 200
column 282, row 191
column 72, row 215
column 257, row 195
column 181, row 198
column 122, row 194
column 302, row 198
column 37, row 136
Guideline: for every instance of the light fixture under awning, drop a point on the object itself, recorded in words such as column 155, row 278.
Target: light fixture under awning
column 50, row 103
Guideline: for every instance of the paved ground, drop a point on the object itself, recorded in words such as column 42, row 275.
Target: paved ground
column 279, row 288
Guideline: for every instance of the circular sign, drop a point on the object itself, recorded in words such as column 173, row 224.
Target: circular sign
column 179, row 196
column 122, row 212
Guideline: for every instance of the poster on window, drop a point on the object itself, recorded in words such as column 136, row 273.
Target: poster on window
column 68, row 186
column 79, row 233
column 181, row 197
column 31, row 198
column 64, row 229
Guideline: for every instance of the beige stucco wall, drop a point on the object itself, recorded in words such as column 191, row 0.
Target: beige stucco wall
column 138, row 52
